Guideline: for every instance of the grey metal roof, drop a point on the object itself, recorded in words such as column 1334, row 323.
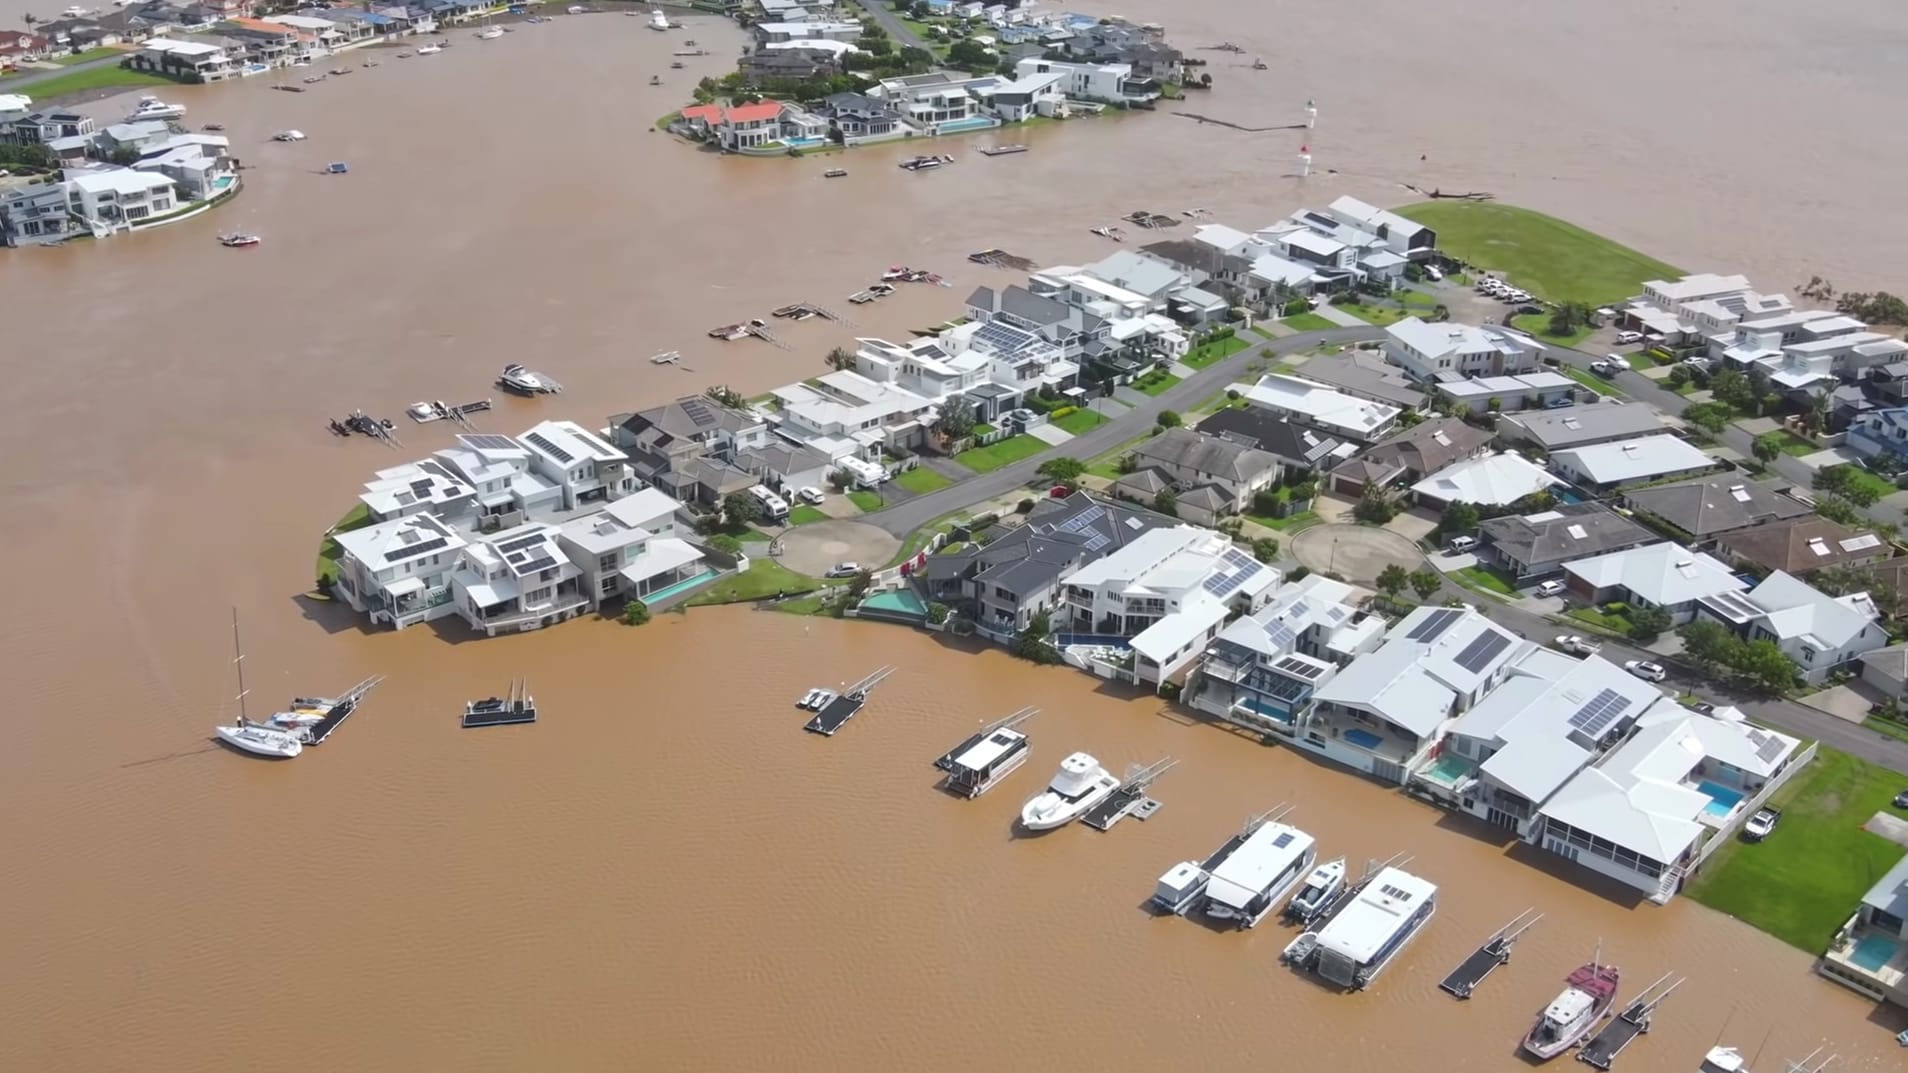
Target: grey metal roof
column 1184, row 448
column 1710, row 505
column 1566, row 533
column 1365, row 377
column 1267, row 431
column 1576, row 426
column 1429, row 446
column 1032, row 308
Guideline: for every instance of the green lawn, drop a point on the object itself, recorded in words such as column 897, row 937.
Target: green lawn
column 1260, row 331
column 1304, row 519
column 1079, row 421
column 764, row 578
column 1887, row 728
column 921, row 480
column 1108, row 464
column 1789, row 443
column 89, row 55
column 1378, row 315
column 1206, row 353
column 803, row 514
column 1639, row 361
column 865, row 501
column 995, row 455
column 1589, row 379
column 1154, row 383
column 89, row 79
column 329, row 551
column 755, row 536
column 1613, row 623
column 1487, row 580
column 1537, row 326
column 1307, row 322
column 1857, row 476
column 1544, row 255
column 1801, row 882
column 1417, row 300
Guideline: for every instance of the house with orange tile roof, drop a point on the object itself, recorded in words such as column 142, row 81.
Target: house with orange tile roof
column 762, row 125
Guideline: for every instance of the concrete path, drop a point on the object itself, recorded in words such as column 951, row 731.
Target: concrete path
column 1181, row 369
column 1130, row 397
column 1053, row 434
column 885, row 18
column 1342, row 318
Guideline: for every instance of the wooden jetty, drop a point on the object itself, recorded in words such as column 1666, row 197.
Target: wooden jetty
column 1002, row 150
column 338, row 709
column 1602, row 1050
column 826, row 313
column 1485, row 959
column 843, row 708
column 515, row 707
column 946, row 762
column 760, row 330
column 1130, row 799
column 862, row 298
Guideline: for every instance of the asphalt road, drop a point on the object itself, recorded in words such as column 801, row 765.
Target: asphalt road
column 885, row 18
column 904, row 518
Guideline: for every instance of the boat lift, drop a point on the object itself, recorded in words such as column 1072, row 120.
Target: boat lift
column 946, row 762
column 1602, row 1050
column 340, row 710
column 1485, row 959
column 1130, row 799
column 761, row 331
column 844, row 706
column 516, row 706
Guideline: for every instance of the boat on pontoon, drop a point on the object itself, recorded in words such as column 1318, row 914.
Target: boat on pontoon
column 1080, row 784
column 524, row 382
column 1589, row 992
column 430, row 49
column 246, row 735
column 974, row 770
column 1363, row 937
column 150, row 107
column 1316, row 894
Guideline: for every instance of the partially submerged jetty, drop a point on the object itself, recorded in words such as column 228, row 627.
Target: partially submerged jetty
column 1602, row 1050
column 1486, row 959
column 1130, row 799
column 842, row 708
column 515, row 707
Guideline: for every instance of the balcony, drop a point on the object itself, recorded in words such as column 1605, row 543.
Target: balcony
column 1364, row 734
column 1868, row 960
column 564, row 606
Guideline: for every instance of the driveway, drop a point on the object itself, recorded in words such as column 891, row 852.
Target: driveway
column 1053, row 434
column 1358, row 553
column 1842, row 702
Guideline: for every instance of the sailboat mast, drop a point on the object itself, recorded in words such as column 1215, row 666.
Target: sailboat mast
column 238, row 665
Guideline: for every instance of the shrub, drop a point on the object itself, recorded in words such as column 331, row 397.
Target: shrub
column 937, row 613
column 635, row 613
column 1170, row 419
column 1025, row 506
column 726, row 544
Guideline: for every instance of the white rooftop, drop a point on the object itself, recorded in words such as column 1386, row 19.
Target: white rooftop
column 1323, row 406
column 1665, row 575
column 1451, row 338
column 1697, row 285
column 1415, row 678
column 400, row 540
column 1794, row 609
column 1379, row 912
column 566, row 442
column 1251, row 870
column 119, row 181
column 621, row 523
column 1494, row 480
column 1486, row 386
column 1633, row 460
column 1314, row 600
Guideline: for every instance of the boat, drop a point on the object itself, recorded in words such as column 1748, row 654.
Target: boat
column 246, row 735
column 809, row 700
column 214, row 127
column 1300, row 950
column 426, row 50
column 658, row 21
column 667, row 357
column 369, row 63
column 1588, row 993
column 1003, row 150
column 238, row 239
column 150, row 107
column 823, row 698
column 655, row 80
column 1080, row 784
column 834, row 173
column 339, row 71
column 976, row 769
column 289, row 136
column 691, row 43
column 1317, row 892
column 1363, row 937
column 524, row 382
column 314, row 78
column 1252, row 879
column 926, row 163
column 675, row 65
column 74, row 12
column 729, row 331
column 489, row 33
column 1258, row 65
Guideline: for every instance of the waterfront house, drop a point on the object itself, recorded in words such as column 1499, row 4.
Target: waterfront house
column 1262, row 670
column 398, row 571
column 267, row 42
column 1123, row 43
column 1642, row 814
column 1026, row 97
column 1072, row 328
column 763, row 124
column 36, row 214
column 1487, row 394
column 1340, row 254
column 1552, row 717
column 1685, row 312
column 845, row 414
column 1018, row 575
column 577, row 461
column 1710, row 506
column 516, row 580
column 1102, row 83
column 197, row 164
column 1802, row 545
column 857, row 115
column 135, row 137
column 934, row 97
column 1411, row 454
column 1405, row 237
column 1604, row 467
column 115, row 199
column 631, row 549
column 1365, row 375
column 994, row 362
column 1819, row 632
column 1668, row 576
column 185, row 60
column 1293, row 446
column 1498, row 480
column 1385, row 712
column 1193, row 460
column 334, row 33
column 45, row 128
column 1869, row 953
column 1804, row 352
column 1578, row 426
column 1533, row 546
column 661, row 441
column 504, row 490
column 1445, row 350
column 1343, row 416
column 429, row 487
column 817, row 30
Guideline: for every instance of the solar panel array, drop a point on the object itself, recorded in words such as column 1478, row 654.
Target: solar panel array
column 1279, row 634
column 1435, row 623
column 1005, row 339
column 1238, row 567
column 1298, row 668
column 1395, row 893
column 1482, row 650
column 490, row 441
column 1081, row 525
column 1768, row 746
column 422, row 547
column 1282, row 840
column 1599, row 712
column 520, row 543
column 549, row 448
column 696, row 410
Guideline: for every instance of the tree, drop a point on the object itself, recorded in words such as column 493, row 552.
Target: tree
column 1170, row 419
column 1767, row 448
column 1815, row 419
column 1392, row 579
column 915, row 59
column 1567, row 317
column 1733, row 390
column 740, row 510
column 1836, row 509
column 1031, row 644
column 1711, row 644
column 1166, row 503
column 840, row 359
column 958, row 418
column 635, row 613
column 1067, row 471
column 1460, row 517
column 970, row 55
column 1266, row 549
column 858, row 585
column 1846, row 481
column 1647, row 623
column 1711, row 416
column 726, row 397
column 1764, row 664
column 1425, row 583
column 1375, row 505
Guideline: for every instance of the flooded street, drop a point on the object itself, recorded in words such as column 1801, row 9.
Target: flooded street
column 665, row 870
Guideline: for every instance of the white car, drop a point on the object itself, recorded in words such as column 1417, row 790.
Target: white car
column 1550, row 588
column 1433, row 273
column 1761, row 824
column 844, row 570
column 1576, row 645
column 1649, row 672
column 1626, row 338
column 1460, row 545
column 1606, row 367
column 810, row 495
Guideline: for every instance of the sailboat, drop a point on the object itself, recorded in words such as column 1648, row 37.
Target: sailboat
column 246, row 735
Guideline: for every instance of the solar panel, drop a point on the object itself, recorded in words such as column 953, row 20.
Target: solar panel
column 520, row 543
column 1005, row 339
column 1239, row 560
column 696, row 410
column 1285, row 689
column 490, row 442
column 1482, row 650
column 549, row 448
column 541, row 562
column 1082, row 520
column 1298, row 668
column 1599, row 712
column 1279, row 634
column 422, row 547
column 1098, row 541
column 1435, row 623
column 1397, row 893
column 1283, row 839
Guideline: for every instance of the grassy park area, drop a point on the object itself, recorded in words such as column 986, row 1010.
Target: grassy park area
column 86, row 81
column 1004, row 452
column 1306, row 322
column 1549, row 258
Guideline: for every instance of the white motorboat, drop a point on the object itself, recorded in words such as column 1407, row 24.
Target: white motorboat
column 1589, row 991
column 289, row 136
column 658, row 21
column 807, row 703
column 1080, row 784
column 524, row 382
column 823, row 698
column 430, row 49
column 150, row 107
column 490, row 33
column 246, row 735
column 238, row 239
column 667, row 357
column 1317, row 892
column 1247, row 885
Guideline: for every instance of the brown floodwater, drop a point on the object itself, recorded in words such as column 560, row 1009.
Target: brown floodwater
column 665, row 869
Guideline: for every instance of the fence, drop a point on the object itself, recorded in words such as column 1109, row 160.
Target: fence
column 1749, row 807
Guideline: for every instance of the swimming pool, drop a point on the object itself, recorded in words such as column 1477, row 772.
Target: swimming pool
column 1722, row 800
column 1364, row 739
column 1565, row 495
column 1259, row 707
column 1448, row 769
column 900, row 600
column 804, row 143
column 682, row 586
column 1873, row 952
column 970, row 123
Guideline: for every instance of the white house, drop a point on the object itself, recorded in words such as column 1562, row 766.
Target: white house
column 577, row 461
column 1026, row 97
column 1641, row 813
column 846, row 414
column 1407, row 238
column 36, row 214
column 498, row 469
column 1510, row 393
column 425, row 487
column 1262, row 669
column 516, row 580
column 1692, row 309
column 1882, row 917
column 1818, row 631
column 197, row 164
column 187, row 61
column 1107, row 83
column 1497, row 480
column 631, row 548
column 114, row 199
column 399, row 571
column 1603, row 466
column 1445, row 351
column 1385, row 712
column 1304, row 402
column 1666, row 575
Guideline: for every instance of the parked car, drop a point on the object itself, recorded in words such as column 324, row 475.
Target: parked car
column 1649, row 672
column 1550, row 588
column 1576, row 646
column 810, row 495
column 844, row 570
column 1761, row 824
column 1697, row 362
column 1901, row 799
column 1606, row 367
column 1626, row 338
column 1560, row 402
column 1701, row 706
column 1460, row 545
column 1433, row 273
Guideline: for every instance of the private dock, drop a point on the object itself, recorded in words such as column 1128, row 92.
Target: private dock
column 515, row 707
column 946, row 762
column 843, row 708
column 760, row 330
column 1130, row 799
column 339, row 709
column 1485, row 959
column 1602, row 1050
column 862, row 298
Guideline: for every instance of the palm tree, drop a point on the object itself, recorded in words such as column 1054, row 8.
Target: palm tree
column 1816, row 418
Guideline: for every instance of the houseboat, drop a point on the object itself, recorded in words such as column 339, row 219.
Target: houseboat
column 834, row 173
column 1356, row 944
column 1588, row 993
column 1080, row 784
column 974, row 770
column 1316, row 895
column 658, row 21
column 1249, row 883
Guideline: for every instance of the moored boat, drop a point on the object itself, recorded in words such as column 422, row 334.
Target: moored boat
column 1317, row 892
column 150, row 107
column 259, row 740
column 430, row 49
column 1364, row 936
column 489, row 33
column 1589, row 991
column 1247, row 885
column 524, row 382
column 976, row 770
column 238, row 239
column 834, row 173
column 1080, row 784
column 658, row 21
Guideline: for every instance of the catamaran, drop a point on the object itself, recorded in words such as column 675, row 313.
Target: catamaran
column 1588, row 993
column 246, row 735
column 1080, row 784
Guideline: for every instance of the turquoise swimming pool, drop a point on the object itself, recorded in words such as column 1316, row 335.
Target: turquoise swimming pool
column 1448, row 769
column 1873, row 952
column 1364, row 739
column 1722, row 800
column 970, row 123
column 900, row 600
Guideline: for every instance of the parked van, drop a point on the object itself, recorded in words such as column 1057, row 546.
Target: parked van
column 1460, row 545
